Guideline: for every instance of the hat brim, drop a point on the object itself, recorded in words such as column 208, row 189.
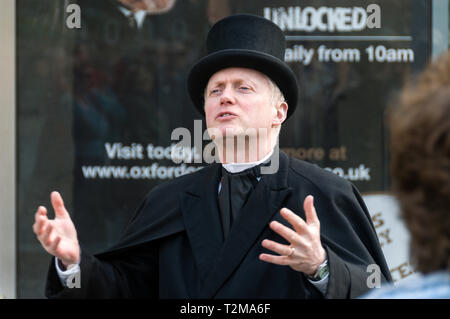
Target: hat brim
column 273, row 67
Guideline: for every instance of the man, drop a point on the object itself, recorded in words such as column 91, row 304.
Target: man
column 229, row 230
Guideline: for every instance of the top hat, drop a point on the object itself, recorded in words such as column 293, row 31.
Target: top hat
column 246, row 41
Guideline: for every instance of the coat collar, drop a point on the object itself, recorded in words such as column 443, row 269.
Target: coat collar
column 216, row 260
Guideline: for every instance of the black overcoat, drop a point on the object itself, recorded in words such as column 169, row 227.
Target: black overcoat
column 173, row 246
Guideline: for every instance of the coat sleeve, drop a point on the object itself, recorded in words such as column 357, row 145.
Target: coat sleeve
column 131, row 273
column 130, row 268
column 347, row 280
column 348, row 263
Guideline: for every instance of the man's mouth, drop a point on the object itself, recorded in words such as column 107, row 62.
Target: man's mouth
column 224, row 115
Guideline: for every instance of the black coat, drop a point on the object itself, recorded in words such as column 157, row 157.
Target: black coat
column 173, row 247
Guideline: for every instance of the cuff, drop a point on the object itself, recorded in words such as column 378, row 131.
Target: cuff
column 321, row 284
column 65, row 275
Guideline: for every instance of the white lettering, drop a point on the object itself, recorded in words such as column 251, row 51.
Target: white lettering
column 338, row 19
column 74, row 280
column 73, row 21
column 374, row 279
column 117, row 150
column 298, row 53
column 374, row 19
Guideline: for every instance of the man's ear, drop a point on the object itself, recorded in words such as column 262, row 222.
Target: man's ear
column 281, row 114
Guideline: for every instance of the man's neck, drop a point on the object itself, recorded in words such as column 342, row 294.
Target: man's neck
column 245, row 149
column 231, row 152
column 239, row 167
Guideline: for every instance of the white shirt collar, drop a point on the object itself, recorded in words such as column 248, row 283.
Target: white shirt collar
column 138, row 15
column 239, row 167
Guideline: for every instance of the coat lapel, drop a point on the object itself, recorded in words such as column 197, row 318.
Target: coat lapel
column 265, row 201
column 201, row 218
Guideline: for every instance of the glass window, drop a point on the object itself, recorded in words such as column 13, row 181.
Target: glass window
column 99, row 93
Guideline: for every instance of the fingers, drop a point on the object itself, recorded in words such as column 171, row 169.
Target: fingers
column 58, row 205
column 40, row 219
column 305, row 239
column 296, row 221
column 283, row 250
column 300, row 226
column 278, row 260
column 53, row 243
column 276, row 247
column 45, row 235
column 49, row 239
column 44, row 228
column 285, row 232
column 310, row 210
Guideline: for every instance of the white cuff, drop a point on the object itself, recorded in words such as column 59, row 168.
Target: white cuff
column 65, row 274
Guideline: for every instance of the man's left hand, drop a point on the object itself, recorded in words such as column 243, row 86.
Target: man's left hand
column 305, row 252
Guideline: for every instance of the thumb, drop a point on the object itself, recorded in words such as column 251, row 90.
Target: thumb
column 58, row 205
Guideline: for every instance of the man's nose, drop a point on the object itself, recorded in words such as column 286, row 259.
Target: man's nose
column 227, row 97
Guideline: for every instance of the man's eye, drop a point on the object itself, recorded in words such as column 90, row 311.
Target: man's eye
column 244, row 88
column 214, row 91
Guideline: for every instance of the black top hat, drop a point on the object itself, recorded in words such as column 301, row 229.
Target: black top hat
column 247, row 41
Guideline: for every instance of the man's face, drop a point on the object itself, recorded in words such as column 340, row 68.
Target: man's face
column 237, row 99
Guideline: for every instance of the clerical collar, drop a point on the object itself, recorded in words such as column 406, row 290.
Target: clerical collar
column 239, row 167
column 138, row 15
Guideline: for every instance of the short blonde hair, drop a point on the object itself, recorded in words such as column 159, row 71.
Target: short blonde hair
column 277, row 95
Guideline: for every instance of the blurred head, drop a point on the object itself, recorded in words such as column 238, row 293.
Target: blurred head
column 420, row 164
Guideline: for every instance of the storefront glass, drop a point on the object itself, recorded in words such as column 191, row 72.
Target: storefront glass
column 99, row 94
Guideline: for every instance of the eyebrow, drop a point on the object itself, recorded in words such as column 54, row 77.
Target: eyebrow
column 238, row 80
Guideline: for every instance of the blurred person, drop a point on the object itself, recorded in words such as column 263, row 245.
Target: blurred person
column 419, row 126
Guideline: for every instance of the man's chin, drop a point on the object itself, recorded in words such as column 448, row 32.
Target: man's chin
column 225, row 133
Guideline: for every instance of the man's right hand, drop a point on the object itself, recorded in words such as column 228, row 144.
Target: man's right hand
column 57, row 236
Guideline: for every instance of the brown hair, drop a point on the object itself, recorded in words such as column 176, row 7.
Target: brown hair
column 419, row 127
